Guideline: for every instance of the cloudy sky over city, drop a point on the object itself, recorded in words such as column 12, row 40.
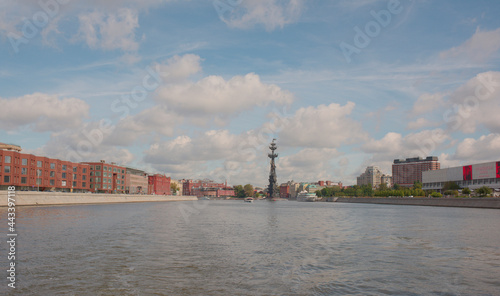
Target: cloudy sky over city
column 198, row 89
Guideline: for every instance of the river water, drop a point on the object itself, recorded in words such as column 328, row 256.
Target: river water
column 260, row 248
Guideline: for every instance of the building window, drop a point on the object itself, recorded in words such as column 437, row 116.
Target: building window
column 24, row 180
column 74, row 176
column 6, row 169
column 64, row 167
column 91, row 185
column 52, row 174
column 110, row 169
column 98, row 174
column 6, row 179
column 84, row 184
column 64, row 175
column 84, row 170
column 24, row 171
column 105, row 168
column 63, row 183
column 97, row 167
column 123, row 172
column 105, row 174
column 104, row 186
column 8, row 159
column 74, row 184
column 39, row 164
column 52, row 166
column 98, row 180
column 38, row 181
column 92, row 167
column 52, row 182
column 24, row 161
column 98, row 186
column 114, row 170
column 84, row 177
column 75, row 169
column 91, row 180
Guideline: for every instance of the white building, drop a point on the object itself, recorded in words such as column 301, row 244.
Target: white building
column 470, row 176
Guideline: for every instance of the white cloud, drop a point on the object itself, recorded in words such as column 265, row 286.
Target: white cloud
column 213, row 98
column 322, row 127
column 110, row 31
column 394, row 145
column 42, row 112
column 479, row 150
column 475, row 103
column 480, row 47
column 308, row 164
column 428, row 103
column 179, row 68
column 272, row 14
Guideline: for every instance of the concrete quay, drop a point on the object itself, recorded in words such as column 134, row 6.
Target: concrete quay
column 485, row 203
column 32, row 198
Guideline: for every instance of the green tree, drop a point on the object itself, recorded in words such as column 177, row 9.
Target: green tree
column 239, row 191
column 396, row 186
column 382, row 187
column 417, row 185
column 248, row 189
column 436, row 194
column 484, row 191
column 466, row 191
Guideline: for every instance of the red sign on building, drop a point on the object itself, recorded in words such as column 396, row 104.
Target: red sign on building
column 467, row 170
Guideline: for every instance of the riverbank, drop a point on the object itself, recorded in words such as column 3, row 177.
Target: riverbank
column 486, row 203
column 32, row 198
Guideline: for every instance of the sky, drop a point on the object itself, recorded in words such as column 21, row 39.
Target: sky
column 198, row 89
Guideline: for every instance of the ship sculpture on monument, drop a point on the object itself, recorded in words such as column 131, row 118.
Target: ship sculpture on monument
column 272, row 189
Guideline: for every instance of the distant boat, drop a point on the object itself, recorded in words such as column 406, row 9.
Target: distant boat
column 249, row 199
column 306, row 196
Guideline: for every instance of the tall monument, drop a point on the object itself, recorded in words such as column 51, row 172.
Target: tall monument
column 272, row 189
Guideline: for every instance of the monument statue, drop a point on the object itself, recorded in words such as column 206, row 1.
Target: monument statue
column 272, row 189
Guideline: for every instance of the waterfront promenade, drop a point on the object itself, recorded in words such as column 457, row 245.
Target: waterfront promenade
column 33, row 198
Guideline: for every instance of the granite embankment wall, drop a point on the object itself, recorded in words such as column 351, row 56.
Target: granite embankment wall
column 27, row 198
column 490, row 203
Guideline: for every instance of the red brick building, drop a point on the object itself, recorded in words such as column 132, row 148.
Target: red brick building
column 30, row 172
column 285, row 190
column 159, row 185
column 107, row 178
column 406, row 172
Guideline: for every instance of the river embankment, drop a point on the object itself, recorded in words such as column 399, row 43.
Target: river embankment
column 486, row 203
column 32, row 198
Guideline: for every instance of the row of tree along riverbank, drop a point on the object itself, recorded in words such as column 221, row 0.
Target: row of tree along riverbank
column 488, row 203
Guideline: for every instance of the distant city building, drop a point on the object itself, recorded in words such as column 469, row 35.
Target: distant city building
column 210, row 188
column 285, row 190
column 469, row 176
column 30, row 172
column 159, row 185
column 373, row 177
column 136, row 181
column 106, row 177
column 406, row 172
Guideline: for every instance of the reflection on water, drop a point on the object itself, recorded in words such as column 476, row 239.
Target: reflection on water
column 263, row 248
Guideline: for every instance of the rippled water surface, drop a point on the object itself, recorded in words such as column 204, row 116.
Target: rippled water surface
column 262, row 248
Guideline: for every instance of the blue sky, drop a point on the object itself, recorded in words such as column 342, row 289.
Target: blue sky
column 197, row 89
